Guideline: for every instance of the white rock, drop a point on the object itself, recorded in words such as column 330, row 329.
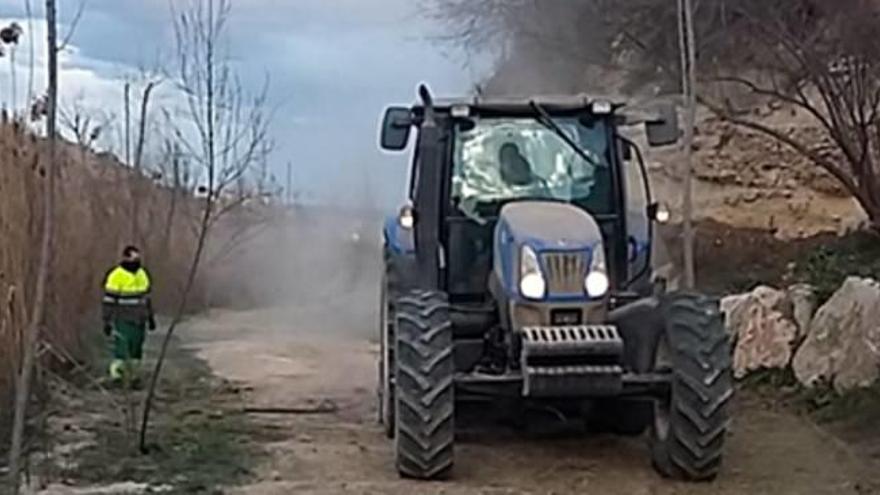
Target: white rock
column 803, row 306
column 733, row 307
column 772, row 298
column 760, row 325
column 843, row 343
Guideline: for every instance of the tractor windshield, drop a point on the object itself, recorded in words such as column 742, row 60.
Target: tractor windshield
column 507, row 159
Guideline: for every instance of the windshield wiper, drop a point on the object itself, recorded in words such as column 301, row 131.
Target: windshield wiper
column 544, row 118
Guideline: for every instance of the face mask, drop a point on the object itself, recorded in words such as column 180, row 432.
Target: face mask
column 131, row 266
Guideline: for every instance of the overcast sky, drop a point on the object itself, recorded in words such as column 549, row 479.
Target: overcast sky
column 333, row 65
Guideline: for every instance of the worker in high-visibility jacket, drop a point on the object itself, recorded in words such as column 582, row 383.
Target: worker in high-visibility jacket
column 127, row 312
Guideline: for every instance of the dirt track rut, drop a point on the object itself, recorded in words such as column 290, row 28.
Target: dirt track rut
column 287, row 357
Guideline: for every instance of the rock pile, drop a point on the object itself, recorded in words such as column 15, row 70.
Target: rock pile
column 777, row 329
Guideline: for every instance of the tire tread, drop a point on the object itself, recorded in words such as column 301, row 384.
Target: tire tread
column 425, row 387
column 702, row 389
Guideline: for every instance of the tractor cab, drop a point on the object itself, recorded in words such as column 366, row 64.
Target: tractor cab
column 494, row 153
column 520, row 268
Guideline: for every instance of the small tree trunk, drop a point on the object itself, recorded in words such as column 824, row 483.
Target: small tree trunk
column 136, row 195
column 23, row 386
column 210, row 148
column 176, row 190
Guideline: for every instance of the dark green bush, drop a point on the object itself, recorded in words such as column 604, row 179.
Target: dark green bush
column 828, row 266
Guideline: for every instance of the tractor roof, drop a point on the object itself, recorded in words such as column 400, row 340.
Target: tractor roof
column 637, row 111
column 557, row 103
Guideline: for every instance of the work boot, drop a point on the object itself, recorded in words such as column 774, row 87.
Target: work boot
column 117, row 371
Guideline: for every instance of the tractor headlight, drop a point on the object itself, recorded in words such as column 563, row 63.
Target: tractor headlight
column 597, row 284
column 531, row 281
column 406, row 218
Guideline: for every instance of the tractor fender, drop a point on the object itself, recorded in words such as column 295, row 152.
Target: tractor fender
column 399, row 256
column 398, row 239
column 640, row 325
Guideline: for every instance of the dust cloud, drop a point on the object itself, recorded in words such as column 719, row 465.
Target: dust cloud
column 317, row 267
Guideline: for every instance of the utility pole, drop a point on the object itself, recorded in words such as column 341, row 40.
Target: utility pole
column 687, row 40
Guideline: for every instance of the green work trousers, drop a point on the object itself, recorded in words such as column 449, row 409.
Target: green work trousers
column 128, row 340
column 128, row 346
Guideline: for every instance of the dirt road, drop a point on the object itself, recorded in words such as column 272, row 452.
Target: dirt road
column 289, row 357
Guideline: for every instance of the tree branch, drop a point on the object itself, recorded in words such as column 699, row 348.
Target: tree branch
column 70, row 32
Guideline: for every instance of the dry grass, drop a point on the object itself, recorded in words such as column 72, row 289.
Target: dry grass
column 93, row 224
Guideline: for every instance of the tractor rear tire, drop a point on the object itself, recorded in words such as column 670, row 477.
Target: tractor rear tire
column 424, row 388
column 690, row 424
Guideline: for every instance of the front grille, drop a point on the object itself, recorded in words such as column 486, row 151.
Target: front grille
column 565, row 272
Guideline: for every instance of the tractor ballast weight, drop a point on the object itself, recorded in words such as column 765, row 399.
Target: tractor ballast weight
column 521, row 268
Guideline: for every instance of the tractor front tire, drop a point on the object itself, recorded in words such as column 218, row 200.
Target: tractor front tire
column 690, row 423
column 424, row 388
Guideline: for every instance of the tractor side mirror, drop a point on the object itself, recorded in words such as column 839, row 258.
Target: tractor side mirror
column 396, row 128
column 664, row 130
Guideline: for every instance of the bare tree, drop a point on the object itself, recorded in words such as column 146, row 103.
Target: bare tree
column 86, row 125
column 554, row 45
column 222, row 132
column 819, row 57
column 636, row 41
column 824, row 60
column 143, row 120
column 38, row 310
column 151, row 83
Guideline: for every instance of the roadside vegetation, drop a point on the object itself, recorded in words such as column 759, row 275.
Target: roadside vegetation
column 827, row 266
column 202, row 437
column 189, row 184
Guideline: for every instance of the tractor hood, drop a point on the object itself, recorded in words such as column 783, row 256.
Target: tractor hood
column 548, row 226
column 564, row 237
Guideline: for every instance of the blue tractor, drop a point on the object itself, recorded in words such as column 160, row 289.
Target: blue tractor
column 520, row 269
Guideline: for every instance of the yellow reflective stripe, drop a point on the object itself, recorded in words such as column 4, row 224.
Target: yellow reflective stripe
column 139, row 299
column 131, row 302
